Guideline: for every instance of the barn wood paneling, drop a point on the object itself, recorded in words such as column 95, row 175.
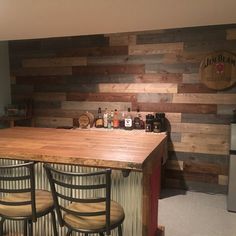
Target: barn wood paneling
column 155, row 71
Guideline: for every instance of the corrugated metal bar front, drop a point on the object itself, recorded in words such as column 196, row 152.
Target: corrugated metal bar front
column 125, row 190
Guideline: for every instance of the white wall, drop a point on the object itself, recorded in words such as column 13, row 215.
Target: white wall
column 5, row 94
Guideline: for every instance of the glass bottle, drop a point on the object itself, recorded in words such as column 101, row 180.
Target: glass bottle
column 99, row 119
column 116, row 121
column 105, row 119
column 128, row 121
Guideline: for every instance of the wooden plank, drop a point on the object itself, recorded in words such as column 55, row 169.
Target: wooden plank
column 138, row 88
column 42, row 71
column 207, row 148
column 105, row 97
column 46, row 104
column 182, row 35
column 209, row 46
column 121, row 39
column 221, row 160
column 155, row 97
column 206, row 118
column 55, row 62
column 183, row 68
column 194, row 88
column 174, row 137
column 173, row 117
column 93, row 51
column 159, row 78
column 40, row 80
column 108, row 69
column 205, row 138
column 177, row 108
column 201, row 98
column 198, row 177
column 225, row 109
column 231, row 34
column 191, row 78
column 196, row 186
column 200, row 128
column 223, row 180
column 147, row 49
column 63, row 113
column 49, row 96
column 120, row 106
column 174, row 165
column 53, row 122
column 202, row 167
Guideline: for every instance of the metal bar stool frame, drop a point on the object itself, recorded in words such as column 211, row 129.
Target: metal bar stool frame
column 30, row 177
column 50, row 171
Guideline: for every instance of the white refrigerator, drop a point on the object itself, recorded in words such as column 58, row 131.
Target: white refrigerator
column 231, row 199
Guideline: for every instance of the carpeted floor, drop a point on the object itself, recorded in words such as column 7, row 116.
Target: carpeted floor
column 195, row 214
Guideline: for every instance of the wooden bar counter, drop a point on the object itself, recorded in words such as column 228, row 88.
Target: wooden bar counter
column 135, row 151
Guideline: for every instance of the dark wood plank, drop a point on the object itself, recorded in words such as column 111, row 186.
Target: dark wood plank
column 105, row 97
column 194, row 88
column 40, row 80
column 109, row 69
column 182, row 108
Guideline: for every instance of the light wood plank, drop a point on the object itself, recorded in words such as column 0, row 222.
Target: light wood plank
column 161, row 48
column 55, row 62
column 200, row 128
column 223, row 180
column 121, row 39
column 202, row 98
column 197, row 148
column 138, row 88
column 205, row 138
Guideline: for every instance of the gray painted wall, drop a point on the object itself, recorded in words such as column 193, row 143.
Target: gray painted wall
column 5, row 97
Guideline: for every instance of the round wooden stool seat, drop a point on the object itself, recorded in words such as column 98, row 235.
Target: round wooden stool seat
column 44, row 202
column 93, row 222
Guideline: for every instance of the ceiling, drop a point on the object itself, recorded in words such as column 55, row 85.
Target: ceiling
column 27, row 19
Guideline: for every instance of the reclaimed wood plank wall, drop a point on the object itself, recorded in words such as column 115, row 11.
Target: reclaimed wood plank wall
column 156, row 71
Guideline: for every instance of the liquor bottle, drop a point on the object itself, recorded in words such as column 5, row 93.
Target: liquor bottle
column 137, row 121
column 99, row 120
column 122, row 120
column 105, row 119
column 116, row 122
column 128, row 121
column 112, row 117
column 109, row 121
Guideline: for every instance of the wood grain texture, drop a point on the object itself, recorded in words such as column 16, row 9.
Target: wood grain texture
column 41, row 71
column 49, row 96
column 121, row 39
column 138, row 88
column 120, row 106
column 196, row 128
column 55, row 62
column 38, row 80
column 78, row 146
column 178, row 108
column 93, row 51
column 102, row 97
column 108, row 69
column 148, row 49
column 194, row 88
column 198, row 98
column 159, row 78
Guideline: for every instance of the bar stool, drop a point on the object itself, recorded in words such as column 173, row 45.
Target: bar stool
column 20, row 200
column 83, row 201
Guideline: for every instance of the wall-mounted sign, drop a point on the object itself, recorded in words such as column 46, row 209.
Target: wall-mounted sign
column 218, row 70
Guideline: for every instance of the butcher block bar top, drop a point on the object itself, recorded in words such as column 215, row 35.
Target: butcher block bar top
column 117, row 149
